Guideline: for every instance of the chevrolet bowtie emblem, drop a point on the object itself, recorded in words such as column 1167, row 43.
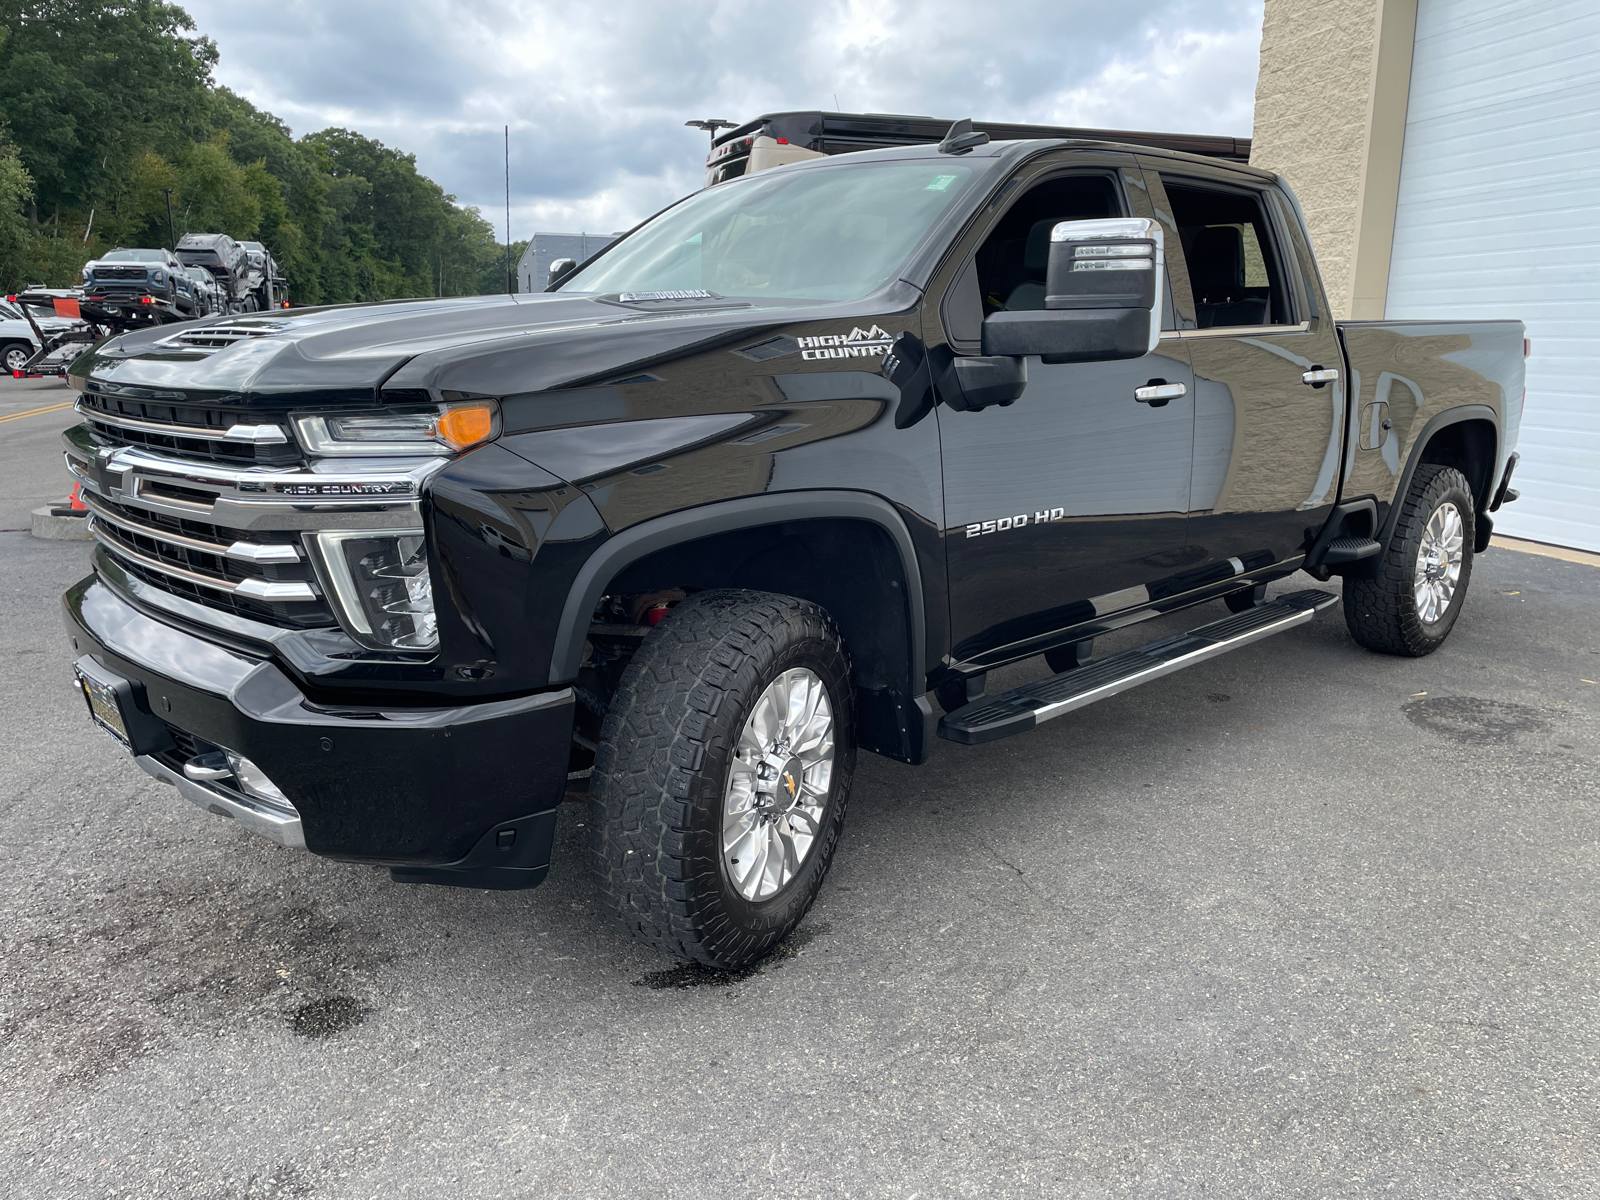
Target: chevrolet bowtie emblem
column 788, row 782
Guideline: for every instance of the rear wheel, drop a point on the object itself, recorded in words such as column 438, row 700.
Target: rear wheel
column 719, row 787
column 1421, row 581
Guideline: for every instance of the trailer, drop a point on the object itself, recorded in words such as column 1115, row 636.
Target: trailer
column 101, row 318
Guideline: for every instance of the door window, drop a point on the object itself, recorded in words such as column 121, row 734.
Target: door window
column 1233, row 268
column 1012, row 260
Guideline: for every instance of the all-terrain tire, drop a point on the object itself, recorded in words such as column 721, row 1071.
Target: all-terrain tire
column 1382, row 612
column 666, row 748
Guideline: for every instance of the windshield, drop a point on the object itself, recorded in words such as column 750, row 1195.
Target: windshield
column 836, row 233
column 197, row 273
column 135, row 256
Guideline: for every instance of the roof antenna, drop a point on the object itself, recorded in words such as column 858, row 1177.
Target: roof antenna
column 961, row 139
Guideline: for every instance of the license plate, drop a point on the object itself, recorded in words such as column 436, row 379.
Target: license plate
column 105, row 709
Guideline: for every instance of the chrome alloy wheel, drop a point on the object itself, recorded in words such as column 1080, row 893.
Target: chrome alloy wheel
column 778, row 784
column 1438, row 563
column 16, row 357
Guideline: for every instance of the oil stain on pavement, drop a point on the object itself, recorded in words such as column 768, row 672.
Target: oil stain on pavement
column 1474, row 720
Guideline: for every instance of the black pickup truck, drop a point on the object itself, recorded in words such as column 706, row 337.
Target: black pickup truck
column 776, row 477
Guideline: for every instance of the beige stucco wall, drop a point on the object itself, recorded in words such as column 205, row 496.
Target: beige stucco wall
column 1330, row 117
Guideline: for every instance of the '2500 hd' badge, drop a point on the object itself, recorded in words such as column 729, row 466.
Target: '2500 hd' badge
column 858, row 343
column 1021, row 521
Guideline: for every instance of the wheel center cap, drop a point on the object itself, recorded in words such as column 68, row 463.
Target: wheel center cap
column 786, row 788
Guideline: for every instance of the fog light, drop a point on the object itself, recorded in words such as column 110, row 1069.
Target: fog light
column 253, row 781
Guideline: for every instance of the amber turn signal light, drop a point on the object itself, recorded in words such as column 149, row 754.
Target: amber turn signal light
column 464, row 425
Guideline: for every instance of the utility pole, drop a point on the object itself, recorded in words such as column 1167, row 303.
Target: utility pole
column 172, row 236
column 509, row 288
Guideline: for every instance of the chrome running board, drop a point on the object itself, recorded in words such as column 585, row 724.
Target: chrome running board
column 990, row 718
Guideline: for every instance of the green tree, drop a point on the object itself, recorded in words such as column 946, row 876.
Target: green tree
column 16, row 191
column 111, row 105
column 87, row 85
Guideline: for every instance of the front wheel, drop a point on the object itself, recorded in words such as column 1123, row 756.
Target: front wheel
column 15, row 355
column 720, row 783
column 1412, row 603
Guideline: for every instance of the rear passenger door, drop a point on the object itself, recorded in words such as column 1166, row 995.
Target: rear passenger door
column 1266, row 443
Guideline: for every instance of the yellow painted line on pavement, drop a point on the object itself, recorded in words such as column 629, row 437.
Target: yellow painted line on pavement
column 37, row 412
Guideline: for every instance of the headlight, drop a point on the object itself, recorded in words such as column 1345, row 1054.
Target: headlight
column 400, row 432
column 160, row 278
column 380, row 581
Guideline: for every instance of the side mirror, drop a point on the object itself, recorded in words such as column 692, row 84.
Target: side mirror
column 1103, row 290
column 560, row 267
column 973, row 384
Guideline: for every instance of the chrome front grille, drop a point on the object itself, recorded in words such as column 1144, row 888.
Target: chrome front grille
column 200, row 537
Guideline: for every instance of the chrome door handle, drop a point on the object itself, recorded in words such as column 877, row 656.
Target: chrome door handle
column 1157, row 392
column 1318, row 376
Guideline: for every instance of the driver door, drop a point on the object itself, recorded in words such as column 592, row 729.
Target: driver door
column 1068, row 506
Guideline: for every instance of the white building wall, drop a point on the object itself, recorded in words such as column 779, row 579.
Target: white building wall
column 1499, row 216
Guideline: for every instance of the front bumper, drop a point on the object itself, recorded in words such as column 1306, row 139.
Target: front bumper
column 463, row 795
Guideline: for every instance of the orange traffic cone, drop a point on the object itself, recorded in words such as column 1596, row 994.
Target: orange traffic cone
column 77, row 504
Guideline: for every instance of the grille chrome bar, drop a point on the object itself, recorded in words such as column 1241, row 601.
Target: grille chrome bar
column 171, row 429
column 273, row 591
column 272, row 435
column 281, row 499
column 240, row 551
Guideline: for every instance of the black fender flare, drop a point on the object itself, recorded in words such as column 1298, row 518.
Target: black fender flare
column 660, row 533
column 1452, row 416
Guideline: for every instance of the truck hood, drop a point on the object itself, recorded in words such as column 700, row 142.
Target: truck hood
column 486, row 345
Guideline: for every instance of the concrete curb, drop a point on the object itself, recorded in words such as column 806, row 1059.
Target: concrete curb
column 1564, row 553
column 61, row 529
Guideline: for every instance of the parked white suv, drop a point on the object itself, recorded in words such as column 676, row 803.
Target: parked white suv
column 18, row 342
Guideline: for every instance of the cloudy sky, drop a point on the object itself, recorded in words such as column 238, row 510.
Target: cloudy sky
column 596, row 94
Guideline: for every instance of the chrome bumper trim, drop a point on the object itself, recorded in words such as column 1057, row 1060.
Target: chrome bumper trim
column 281, row 827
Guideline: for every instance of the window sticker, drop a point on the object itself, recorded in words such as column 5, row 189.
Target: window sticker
column 940, row 183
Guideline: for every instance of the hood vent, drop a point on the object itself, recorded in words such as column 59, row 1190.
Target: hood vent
column 218, row 337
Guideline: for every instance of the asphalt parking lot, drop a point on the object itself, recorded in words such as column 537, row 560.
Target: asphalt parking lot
column 1301, row 921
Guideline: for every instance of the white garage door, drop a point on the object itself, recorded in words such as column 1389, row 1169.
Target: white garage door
column 1499, row 216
